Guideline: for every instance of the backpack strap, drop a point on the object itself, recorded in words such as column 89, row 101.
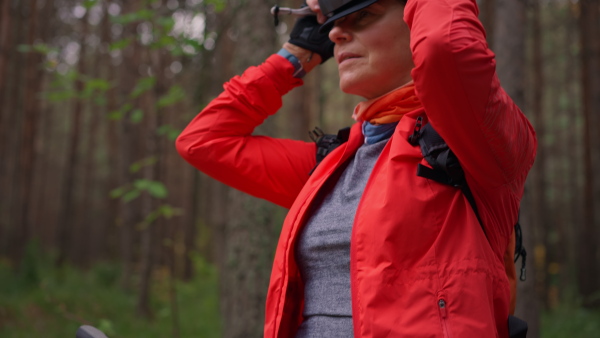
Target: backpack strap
column 520, row 251
column 326, row 143
column 446, row 169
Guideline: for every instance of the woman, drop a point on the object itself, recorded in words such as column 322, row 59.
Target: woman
column 369, row 249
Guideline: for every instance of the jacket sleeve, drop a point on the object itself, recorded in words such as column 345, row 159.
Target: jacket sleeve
column 219, row 140
column 455, row 78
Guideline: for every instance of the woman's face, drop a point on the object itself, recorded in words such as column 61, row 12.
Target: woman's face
column 372, row 49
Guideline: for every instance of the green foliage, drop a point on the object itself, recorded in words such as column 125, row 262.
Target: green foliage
column 166, row 23
column 141, row 15
column 154, row 188
column 119, row 113
column 63, row 300
column 174, row 95
column 137, row 115
column 143, row 84
column 120, row 44
column 169, row 131
column 29, row 269
column 137, row 166
column 106, row 274
column 219, row 5
column 96, row 89
column 167, row 211
column 570, row 321
column 89, row 3
column 41, row 48
column 130, row 192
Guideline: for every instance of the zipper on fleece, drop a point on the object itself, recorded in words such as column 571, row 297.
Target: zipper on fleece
column 444, row 316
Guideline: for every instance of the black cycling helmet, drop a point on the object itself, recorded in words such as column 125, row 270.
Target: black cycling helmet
column 335, row 9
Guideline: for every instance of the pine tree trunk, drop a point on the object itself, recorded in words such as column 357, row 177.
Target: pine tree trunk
column 66, row 222
column 6, row 51
column 246, row 228
column 127, row 73
column 589, row 269
column 509, row 46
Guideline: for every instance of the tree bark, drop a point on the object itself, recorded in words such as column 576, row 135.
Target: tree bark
column 113, row 141
column 537, row 181
column 68, row 210
column 30, row 120
column 246, row 238
column 589, row 269
column 509, row 45
column 128, row 72
column 6, row 39
column 487, row 9
column 13, row 123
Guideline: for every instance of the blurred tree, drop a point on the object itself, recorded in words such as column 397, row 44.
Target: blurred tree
column 69, row 208
column 247, row 228
column 509, row 46
column 589, row 264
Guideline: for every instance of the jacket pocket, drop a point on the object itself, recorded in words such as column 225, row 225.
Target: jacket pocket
column 442, row 305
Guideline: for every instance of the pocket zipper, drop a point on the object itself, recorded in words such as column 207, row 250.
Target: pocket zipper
column 443, row 317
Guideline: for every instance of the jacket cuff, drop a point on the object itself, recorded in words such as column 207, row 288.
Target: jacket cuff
column 281, row 72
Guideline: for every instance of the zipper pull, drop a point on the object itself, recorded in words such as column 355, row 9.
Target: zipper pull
column 442, row 306
column 414, row 138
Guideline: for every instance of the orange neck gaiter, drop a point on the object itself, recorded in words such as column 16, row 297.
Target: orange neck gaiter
column 389, row 107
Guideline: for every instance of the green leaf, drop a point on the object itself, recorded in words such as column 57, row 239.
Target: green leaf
column 157, row 189
column 194, row 43
column 154, row 188
column 119, row 113
column 168, row 211
column 135, row 167
column 131, row 195
column 164, row 41
column 143, row 14
column 144, row 84
column 115, row 115
column 120, row 44
column 167, row 23
column 118, row 192
column 98, row 84
column 24, row 48
column 177, row 51
column 169, row 131
column 89, row 3
column 107, row 327
column 136, row 116
column 174, row 95
column 100, row 100
column 43, row 48
column 141, row 184
column 61, row 95
column 219, row 5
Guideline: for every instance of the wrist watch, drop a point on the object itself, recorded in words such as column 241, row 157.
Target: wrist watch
column 298, row 70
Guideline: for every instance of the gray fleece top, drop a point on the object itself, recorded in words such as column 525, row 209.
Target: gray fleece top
column 323, row 248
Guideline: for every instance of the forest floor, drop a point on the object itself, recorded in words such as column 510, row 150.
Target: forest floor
column 44, row 302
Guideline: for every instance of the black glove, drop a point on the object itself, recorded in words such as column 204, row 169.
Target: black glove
column 306, row 34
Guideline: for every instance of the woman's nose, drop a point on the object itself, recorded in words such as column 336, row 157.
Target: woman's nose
column 338, row 34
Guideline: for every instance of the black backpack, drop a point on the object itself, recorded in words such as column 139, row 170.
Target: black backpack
column 445, row 169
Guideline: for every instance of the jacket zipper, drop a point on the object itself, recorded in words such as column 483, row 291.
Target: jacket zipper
column 443, row 317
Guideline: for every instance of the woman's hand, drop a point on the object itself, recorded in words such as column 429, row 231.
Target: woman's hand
column 314, row 6
column 306, row 43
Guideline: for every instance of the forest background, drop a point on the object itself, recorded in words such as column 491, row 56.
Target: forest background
column 102, row 223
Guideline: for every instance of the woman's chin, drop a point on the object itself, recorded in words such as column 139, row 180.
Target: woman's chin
column 353, row 87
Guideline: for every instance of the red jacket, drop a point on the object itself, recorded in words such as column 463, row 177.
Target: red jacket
column 420, row 264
